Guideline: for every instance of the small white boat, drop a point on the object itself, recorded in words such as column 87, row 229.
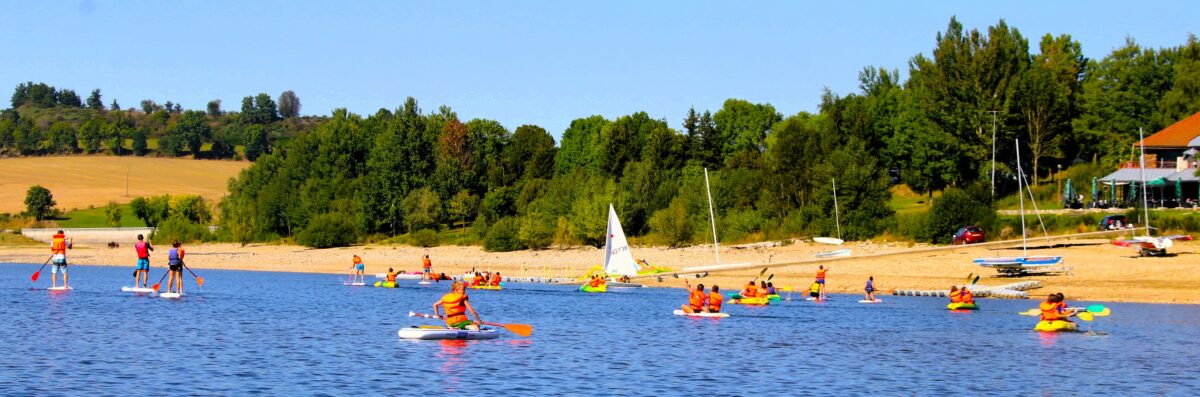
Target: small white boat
column 679, row 312
column 834, row 254
column 874, row 301
column 828, row 240
column 433, row 333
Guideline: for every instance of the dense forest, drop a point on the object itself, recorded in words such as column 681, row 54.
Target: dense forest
column 412, row 173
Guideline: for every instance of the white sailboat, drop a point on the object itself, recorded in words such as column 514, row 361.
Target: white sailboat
column 1018, row 265
column 1148, row 245
column 618, row 259
column 837, row 219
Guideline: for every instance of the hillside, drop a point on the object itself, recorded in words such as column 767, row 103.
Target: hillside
column 82, row 181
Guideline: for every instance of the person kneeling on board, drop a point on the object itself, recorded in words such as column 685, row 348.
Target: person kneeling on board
column 696, row 299
column 814, row 291
column 457, row 305
column 1055, row 309
column 714, row 300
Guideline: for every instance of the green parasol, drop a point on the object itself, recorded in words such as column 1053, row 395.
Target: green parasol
column 1095, row 189
column 1179, row 191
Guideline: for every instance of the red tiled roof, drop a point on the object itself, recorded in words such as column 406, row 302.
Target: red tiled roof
column 1177, row 135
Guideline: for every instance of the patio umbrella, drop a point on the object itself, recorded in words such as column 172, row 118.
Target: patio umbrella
column 1112, row 191
column 1095, row 189
column 1179, row 190
column 1066, row 198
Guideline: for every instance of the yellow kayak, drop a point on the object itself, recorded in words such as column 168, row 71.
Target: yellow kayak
column 588, row 288
column 759, row 301
column 962, row 306
column 385, row 284
column 489, row 287
column 1055, row 326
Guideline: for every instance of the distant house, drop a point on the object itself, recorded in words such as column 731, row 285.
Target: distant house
column 1170, row 173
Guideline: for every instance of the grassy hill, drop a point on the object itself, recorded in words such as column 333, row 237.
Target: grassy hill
column 81, row 182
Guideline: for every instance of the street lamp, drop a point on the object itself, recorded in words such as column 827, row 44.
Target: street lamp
column 1058, row 179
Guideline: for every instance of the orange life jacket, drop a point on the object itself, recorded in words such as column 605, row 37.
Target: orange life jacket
column 59, row 244
column 478, row 280
column 496, row 280
column 456, row 307
column 696, row 300
column 391, row 277
column 357, row 260
column 750, row 292
column 968, row 297
column 1051, row 311
column 426, row 263
column 594, row 283
column 956, row 296
column 714, row 302
column 821, row 274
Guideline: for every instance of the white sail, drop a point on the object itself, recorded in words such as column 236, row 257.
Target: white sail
column 617, row 258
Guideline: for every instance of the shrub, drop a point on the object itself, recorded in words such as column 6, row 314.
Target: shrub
column 112, row 214
column 536, row 231
column 672, row 224
column 502, row 236
column 955, row 209
column 424, row 238
column 39, row 203
column 326, row 231
column 182, row 230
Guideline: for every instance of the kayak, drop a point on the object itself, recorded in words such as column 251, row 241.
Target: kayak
column 757, row 301
column 874, row 301
column 63, row 288
column 171, row 295
column 488, row 287
column 1055, row 326
column 137, row 290
column 774, row 298
column 962, row 306
column 588, row 288
column 679, row 312
column 385, row 284
column 428, row 332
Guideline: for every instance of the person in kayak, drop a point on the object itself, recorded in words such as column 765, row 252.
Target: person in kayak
column 141, row 274
column 496, row 279
column 814, row 291
column 870, row 288
column 426, row 268
column 751, row 290
column 457, row 305
column 762, row 289
column 391, row 276
column 961, row 295
column 59, row 244
column 1055, row 309
column 714, row 300
column 771, row 289
column 175, row 267
column 821, row 279
column 596, row 281
column 478, row 280
column 359, row 269
column 697, row 299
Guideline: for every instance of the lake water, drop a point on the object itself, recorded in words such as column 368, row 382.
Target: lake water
column 307, row 334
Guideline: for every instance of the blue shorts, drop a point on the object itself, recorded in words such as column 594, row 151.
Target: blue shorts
column 143, row 264
column 59, row 267
column 359, row 267
column 821, row 281
column 425, row 269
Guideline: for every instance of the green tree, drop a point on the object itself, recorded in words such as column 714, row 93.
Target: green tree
column 1120, row 94
column 39, row 203
column 139, row 142
column 289, row 104
column 578, row 149
column 463, row 205
column 421, row 209
column 116, row 132
column 190, row 131
column 743, row 128
column 114, row 105
column 94, row 102
column 62, row 138
column 589, row 210
column 1183, row 99
column 214, row 108
column 254, row 137
column 92, row 134
column 69, row 98
column 672, row 223
column 27, row 136
column 531, row 153
column 112, row 214
column 152, row 210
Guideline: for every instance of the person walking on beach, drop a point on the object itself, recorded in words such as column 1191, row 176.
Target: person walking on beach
column 714, row 300
column 59, row 244
column 696, row 299
column 175, row 267
column 821, row 279
column 141, row 274
column 426, row 268
column 358, row 276
column 457, row 305
column 870, row 288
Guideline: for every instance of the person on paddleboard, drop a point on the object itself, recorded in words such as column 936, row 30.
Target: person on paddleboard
column 814, row 291
column 59, row 244
column 821, row 279
column 426, row 268
column 870, row 288
column 714, row 300
column 359, row 269
column 457, row 305
column 697, row 299
column 1055, row 308
column 175, row 267
column 141, row 274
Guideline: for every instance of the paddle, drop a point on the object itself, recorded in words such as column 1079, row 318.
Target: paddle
column 1090, row 311
column 523, row 330
column 160, row 279
column 760, row 274
column 199, row 280
column 39, row 272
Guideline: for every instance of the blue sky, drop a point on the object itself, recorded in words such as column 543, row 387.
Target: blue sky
column 518, row 62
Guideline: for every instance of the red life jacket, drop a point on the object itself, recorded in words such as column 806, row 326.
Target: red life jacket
column 143, row 249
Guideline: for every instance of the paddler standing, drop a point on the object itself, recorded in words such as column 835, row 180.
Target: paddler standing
column 870, row 289
column 821, row 280
column 141, row 274
column 175, row 267
column 359, row 269
column 426, row 268
column 696, row 299
column 59, row 244
column 457, row 305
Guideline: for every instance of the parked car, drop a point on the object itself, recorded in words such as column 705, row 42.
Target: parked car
column 1114, row 222
column 969, row 235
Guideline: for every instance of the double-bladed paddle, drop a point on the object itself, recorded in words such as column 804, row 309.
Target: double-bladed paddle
column 523, row 330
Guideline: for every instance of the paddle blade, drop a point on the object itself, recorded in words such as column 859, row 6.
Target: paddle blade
column 1096, row 308
column 771, row 277
column 1031, row 312
column 1085, row 316
column 1102, row 313
column 523, row 330
column 199, row 281
column 968, row 279
column 411, row 314
column 36, row 275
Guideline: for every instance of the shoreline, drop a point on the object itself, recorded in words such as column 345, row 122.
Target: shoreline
column 1100, row 271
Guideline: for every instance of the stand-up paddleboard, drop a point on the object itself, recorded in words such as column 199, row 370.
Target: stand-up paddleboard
column 424, row 283
column 679, row 312
column 171, row 295
column 816, row 299
column 433, row 333
column 828, row 240
column 355, row 284
column 874, row 301
column 63, row 288
column 138, row 290
column 380, row 275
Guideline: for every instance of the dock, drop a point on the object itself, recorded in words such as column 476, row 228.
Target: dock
column 1016, row 290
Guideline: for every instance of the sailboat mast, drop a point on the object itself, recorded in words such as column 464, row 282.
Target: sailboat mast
column 837, row 219
column 1142, row 161
column 1021, row 195
column 712, row 218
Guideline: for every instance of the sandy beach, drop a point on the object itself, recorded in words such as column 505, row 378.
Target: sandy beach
column 1099, row 270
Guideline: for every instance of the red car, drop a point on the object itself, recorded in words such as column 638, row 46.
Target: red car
column 969, row 235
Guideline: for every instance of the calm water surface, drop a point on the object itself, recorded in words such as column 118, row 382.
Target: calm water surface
column 306, row 334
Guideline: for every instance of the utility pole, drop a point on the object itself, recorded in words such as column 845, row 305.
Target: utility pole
column 993, row 112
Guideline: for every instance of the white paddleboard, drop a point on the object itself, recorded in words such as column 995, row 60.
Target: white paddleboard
column 679, row 312
column 59, row 288
column 171, row 295
column 355, row 284
column 874, row 301
column 834, row 254
column 137, row 290
column 828, row 240
column 424, row 283
column 815, row 299
column 428, row 333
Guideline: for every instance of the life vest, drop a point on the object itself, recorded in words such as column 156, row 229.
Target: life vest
column 821, row 274
column 595, row 283
column 496, row 280
column 143, row 249
column 426, row 263
column 1051, row 311
column 456, row 307
column 391, row 277
column 696, row 300
column 956, row 296
column 175, row 255
column 357, row 260
column 968, row 297
column 714, row 302
column 478, row 280
column 750, row 292
column 762, row 292
column 59, row 244
column 815, row 288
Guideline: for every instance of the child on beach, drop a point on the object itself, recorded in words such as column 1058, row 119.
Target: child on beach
column 175, row 267
column 870, row 288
